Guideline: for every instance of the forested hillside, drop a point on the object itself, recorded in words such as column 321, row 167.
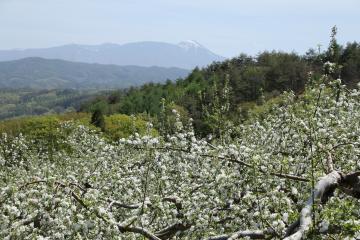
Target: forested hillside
column 39, row 73
column 229, row 89
column 27, row 102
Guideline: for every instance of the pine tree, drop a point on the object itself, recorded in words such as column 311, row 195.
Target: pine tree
column 97, row 119
column 333, row 55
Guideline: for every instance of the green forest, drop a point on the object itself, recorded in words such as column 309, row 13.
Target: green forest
column 233, row 89
column 16, row 103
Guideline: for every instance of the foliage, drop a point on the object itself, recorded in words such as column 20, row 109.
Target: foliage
column 44, row 132
column 25, row 102
column 248, row 79
column 120, row 126
column 13, row 127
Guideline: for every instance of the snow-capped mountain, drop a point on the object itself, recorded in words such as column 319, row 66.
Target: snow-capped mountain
column 186, row 54
column 190, row 44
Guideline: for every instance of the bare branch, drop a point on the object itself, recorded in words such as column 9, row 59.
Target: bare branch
column 329, row 160
column 257, row 234
column 143, row 231
column 170, row 231
column 288, row 176
column 122, row 205
column 324, row 187
column 252, row 234
column 290, row 230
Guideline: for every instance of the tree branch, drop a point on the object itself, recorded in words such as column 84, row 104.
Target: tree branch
column 170, row 231
column 324, row 187
column 122, row 205
column 252, row 234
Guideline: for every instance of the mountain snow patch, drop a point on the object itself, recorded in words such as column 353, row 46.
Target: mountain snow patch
column 190, row 44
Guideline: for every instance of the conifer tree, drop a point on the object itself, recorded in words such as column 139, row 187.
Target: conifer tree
column 97, row 119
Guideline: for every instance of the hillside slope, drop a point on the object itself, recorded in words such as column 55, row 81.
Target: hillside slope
column 39, row 73
column 227, row 90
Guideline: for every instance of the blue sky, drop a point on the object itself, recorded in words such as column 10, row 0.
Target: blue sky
column 227, row 27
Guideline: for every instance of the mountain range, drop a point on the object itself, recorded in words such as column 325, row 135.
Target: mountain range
column 40, row 73
column 186, row 54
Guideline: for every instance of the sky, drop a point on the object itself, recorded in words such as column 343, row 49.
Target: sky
column 226, row 27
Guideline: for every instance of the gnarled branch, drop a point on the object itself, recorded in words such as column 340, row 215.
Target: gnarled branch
column 324, row 187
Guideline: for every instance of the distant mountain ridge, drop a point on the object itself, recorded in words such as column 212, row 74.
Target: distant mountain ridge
column 40, row 73
column 186, row 54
